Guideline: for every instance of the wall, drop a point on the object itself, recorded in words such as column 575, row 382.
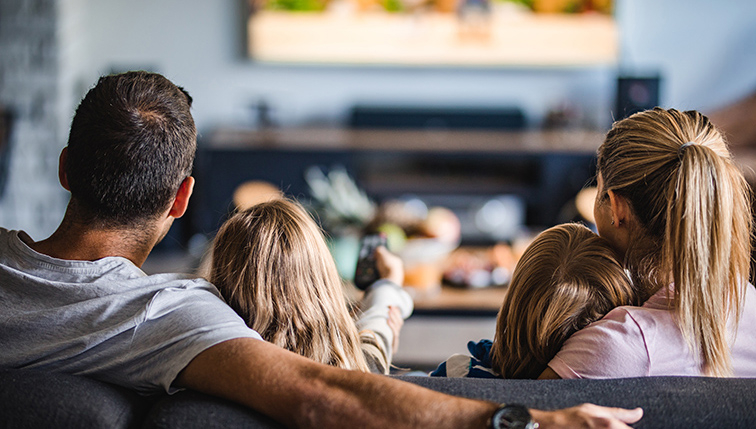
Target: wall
column 30, row 88
column 199, row 44
column 705, row 50
column 52, row 51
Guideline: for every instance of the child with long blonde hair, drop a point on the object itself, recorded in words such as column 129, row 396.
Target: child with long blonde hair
column 272, row 265
column 567, row 278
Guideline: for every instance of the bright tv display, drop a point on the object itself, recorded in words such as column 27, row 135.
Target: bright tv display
column 548, row 33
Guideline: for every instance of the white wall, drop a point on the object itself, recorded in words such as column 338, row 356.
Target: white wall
column 198, row 44
column 705, row 50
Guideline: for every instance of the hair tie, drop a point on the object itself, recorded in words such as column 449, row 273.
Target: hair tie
column 680, row 149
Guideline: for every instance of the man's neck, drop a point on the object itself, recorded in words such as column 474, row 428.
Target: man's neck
column 82, row 242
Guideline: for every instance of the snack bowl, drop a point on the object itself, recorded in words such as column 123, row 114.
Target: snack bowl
column 423, row 264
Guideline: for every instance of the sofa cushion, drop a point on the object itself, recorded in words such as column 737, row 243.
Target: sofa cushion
column 189, row 409
column 33, row 399
column 668, row 402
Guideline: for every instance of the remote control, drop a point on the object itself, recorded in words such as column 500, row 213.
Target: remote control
column 366, row 272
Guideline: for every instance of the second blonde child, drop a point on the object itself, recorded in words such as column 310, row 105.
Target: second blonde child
column 567, row 278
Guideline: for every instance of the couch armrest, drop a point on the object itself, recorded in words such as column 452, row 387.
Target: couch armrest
column 33, row 399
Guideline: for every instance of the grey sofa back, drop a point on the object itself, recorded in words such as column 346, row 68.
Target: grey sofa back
column 33, row 399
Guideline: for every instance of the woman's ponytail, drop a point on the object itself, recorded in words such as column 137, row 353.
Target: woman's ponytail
column 693, row 209
column 703, row 251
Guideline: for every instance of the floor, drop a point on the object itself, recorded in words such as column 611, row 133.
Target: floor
column 427, row 341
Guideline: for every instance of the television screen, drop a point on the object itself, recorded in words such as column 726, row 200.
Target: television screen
column 433, row 32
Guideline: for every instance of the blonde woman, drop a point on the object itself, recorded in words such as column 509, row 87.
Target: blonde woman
column 271, row 264
column 567, row 278
column 674, row 205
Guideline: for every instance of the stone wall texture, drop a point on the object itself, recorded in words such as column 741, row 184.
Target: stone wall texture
column 31, row 198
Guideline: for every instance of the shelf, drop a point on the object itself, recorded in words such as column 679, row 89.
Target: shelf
column 459, row 301
column 339, row 139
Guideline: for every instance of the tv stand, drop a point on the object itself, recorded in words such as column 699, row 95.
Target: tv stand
column 545, row 168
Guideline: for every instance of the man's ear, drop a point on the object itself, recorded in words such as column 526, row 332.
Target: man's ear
column 620, row 208
column 181, row 202
column 62, row 178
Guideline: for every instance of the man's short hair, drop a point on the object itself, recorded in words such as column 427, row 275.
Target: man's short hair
column 132, row 143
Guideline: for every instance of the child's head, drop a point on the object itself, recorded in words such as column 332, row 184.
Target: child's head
column 567, row 278
column 271, row 264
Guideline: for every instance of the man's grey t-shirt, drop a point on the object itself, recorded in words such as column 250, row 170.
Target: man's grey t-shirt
column 106, row 319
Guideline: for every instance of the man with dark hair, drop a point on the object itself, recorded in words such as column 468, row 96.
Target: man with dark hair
column 132, row 143
column 78, row 303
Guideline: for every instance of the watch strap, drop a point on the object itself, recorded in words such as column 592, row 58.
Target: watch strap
column 512, row 416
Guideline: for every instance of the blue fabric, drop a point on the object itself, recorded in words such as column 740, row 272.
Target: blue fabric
column 481, row 351
column 440, row 371
column 477, row 366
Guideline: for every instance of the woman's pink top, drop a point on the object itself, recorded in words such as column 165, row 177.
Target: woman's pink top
column 646, row 341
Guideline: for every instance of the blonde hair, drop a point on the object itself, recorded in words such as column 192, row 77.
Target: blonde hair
column 693, row 207
column 273, row 267
column 567, row 278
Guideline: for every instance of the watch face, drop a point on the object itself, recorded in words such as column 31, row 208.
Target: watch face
column 512, row 417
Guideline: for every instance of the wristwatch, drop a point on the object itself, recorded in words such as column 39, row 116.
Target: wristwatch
column 512, row 416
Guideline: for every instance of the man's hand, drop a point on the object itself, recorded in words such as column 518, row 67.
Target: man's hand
column 587, row 416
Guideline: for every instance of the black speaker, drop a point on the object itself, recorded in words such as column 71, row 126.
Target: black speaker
column 636, row 94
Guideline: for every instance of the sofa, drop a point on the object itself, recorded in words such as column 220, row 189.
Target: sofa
column 33, row 399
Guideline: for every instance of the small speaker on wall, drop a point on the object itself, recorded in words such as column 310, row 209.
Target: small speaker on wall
column 635, row 94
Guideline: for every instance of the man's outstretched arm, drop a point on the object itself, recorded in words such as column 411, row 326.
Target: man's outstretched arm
column 301, row 393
